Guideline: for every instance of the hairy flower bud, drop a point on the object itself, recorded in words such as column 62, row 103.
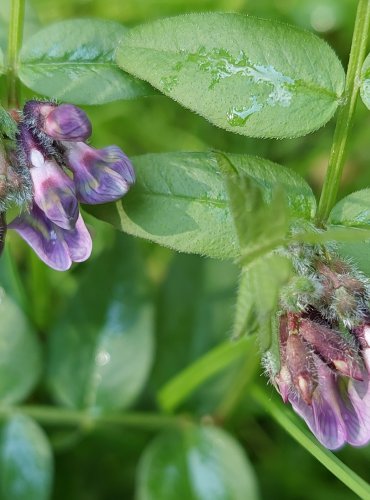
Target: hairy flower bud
column 332, row 347
column 300, row 366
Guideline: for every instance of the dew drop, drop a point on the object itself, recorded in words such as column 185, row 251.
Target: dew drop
column 168, row 83
column 102, row 358
column 237, row 117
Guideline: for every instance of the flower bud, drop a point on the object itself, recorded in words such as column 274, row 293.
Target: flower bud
column 67, row 123
column 332, row 347
column 300, row 366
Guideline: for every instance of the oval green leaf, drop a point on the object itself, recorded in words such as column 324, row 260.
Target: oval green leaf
column 251, row 76
column 74, row 61
column 101, row 349
column 197, row 462
column 20, row 354
column 354, row 211
column 26, row 462
column 180, row 201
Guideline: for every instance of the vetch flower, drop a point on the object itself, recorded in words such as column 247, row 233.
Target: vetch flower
column 324, row 354
column 56, row 246
column 100, row 175
column 53, row 190
column 63, row 170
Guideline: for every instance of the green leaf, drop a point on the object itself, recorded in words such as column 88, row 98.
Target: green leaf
column 266, row 276
column 101, row 349
column 180, row 201
column 333, row 233
column 305, row 439
column 2, row 67
column 184, row 383
column 197, row 463
column 74, row 61
column 26, row 462
column 365, row 82
column 260, row 226
column 358, row 253
column 353, row 210
column 20, row 353
column 245, row 315
column 251, row 76
column 8, row 126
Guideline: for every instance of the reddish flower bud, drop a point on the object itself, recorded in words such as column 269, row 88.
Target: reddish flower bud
column 300, row 366
column 333, row 348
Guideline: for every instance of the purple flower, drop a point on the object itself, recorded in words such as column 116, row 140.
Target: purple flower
column 56, row 246
column 49, row 140
column 100, row 175
column 333, row 398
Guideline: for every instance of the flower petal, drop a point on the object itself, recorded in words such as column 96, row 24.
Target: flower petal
column 54, row 192
column 359, row 399
column 100, row 175
column 79, row 241
column 67, row 123
column 323, row 416
column 44, row 237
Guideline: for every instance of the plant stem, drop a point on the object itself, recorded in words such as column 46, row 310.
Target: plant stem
column 284, row 418
column 50, row 415
column 14, row 45
column 346, row 112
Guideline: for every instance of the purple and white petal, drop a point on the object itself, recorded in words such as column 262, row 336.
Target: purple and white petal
column 100, row 175
column 54, row 191
column 79, row 241
column 44, row 237
column 323, row 416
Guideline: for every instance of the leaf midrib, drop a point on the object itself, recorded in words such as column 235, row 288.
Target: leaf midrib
column 299, row 82
column 210, row 201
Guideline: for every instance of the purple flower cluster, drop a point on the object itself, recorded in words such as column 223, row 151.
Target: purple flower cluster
column 64, row 171
column 324, row 367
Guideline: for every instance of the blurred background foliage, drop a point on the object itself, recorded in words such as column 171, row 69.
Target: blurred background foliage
column 173, row 308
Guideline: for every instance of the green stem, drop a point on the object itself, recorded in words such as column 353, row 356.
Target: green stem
column 50, row 415
column 346, row 112
column 284, row 418
column 14, row 45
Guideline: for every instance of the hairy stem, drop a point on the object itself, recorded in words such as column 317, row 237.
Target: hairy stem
column 14, row 45
column 346, row 112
